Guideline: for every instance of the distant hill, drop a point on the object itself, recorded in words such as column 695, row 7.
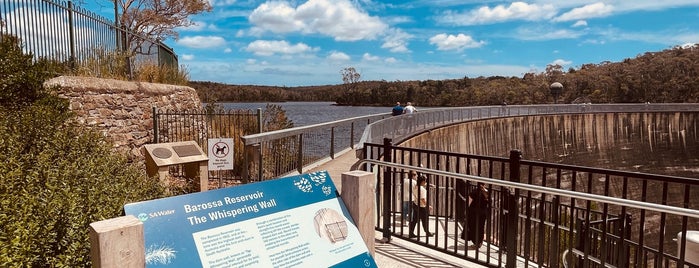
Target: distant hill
column 668, row 76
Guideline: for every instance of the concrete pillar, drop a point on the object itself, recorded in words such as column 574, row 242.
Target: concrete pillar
column 358, row 195
column 117, row 243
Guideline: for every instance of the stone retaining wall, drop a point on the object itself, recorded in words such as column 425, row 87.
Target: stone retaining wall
column 122, row 110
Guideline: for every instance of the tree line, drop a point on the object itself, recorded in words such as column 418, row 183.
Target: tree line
column 668, row 76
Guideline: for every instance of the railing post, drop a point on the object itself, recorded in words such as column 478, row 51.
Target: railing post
column 352, row 135
column 512, row 210
column 299, row 155
column 71, row 29
column 332, row 143
column 386, row 203
column 554, row 244
column 155, row 125
column 259, row 120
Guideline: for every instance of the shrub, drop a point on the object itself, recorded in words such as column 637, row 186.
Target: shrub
column 21, row 78
column 56, row 177
column 56, row 180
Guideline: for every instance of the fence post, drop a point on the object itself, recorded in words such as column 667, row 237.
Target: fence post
column 357, row 194
column 386, row 203
column 71, row 30
column 512, row 210
column 117, row 243
column 352, row 135
column 155, row 125
column 299, row 155
column 554, row 244
column 259, row 120
column 332, row 143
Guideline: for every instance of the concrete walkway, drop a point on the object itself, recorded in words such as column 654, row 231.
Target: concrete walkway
column 397, row 253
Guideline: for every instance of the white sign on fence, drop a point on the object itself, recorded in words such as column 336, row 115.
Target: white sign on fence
column 220, row 154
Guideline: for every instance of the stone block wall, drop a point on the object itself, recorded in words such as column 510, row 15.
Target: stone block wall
column 122, row 110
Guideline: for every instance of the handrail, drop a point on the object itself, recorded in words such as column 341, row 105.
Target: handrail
column 605, row 199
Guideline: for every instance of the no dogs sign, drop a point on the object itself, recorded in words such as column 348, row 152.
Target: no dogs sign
column 220, row 154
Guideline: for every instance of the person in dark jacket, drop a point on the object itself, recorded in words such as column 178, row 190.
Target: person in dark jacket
column 477, row 213
column 397, row 110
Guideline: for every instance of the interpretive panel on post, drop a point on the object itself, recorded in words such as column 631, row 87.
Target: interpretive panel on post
column 297, row 221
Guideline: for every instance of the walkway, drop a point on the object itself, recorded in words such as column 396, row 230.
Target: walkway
column 397, row 253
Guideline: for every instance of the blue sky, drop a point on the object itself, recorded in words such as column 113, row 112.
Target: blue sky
column 298, row 43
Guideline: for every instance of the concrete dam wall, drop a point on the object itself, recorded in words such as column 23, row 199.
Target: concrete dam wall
column 661, row 143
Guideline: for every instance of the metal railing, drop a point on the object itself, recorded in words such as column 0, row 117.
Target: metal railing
column 63, row 32
column 201, row 125
column 296, row 150
column 543, row 214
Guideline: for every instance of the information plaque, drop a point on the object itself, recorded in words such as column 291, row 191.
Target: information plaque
column 297, row 221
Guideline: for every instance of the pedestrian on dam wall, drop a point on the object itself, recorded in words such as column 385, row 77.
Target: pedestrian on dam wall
column 409, row 108
column 477, row 213
column 421, row 209
column 407, row 193
column 397, row 110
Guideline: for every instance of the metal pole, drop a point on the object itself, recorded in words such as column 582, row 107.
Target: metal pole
column 387, row 157
column 71, row 29
column 155, row 125
column 511, row 216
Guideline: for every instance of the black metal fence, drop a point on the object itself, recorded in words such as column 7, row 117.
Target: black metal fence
column 61, row 31
column 202, row 125
column 554, row 216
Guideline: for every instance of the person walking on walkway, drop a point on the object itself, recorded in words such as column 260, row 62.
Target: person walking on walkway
column 476, row 214
column 397, row 110
column 409, row 108
column 420, row 208
column 409, row 184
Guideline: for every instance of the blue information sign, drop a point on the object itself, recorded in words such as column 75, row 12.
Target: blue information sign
column 297, row 221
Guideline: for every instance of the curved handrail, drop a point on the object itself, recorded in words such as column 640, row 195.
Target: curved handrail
column 542, row 189
column 428, row 119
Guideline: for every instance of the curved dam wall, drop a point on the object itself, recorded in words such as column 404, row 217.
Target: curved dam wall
column 659, row 142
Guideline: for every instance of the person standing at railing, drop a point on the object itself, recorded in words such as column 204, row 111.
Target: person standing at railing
column 397, row 110
column 420, row 208
column 409, row 108
column 407, row 192
column 476, row 215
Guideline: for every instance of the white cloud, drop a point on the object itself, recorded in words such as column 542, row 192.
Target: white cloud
column 339, row 19
column 202, row 41
column 220, row 3
column 391, row 60
column 595, row 10
column 369, row 57
column 338, row 56
column 580, row 23
column 454, row 42
column 396, row 40
column 187, row 57
column 561, row 62
column 545, row 33
column 227, row 50
column 500, row 13
column 268, row 48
